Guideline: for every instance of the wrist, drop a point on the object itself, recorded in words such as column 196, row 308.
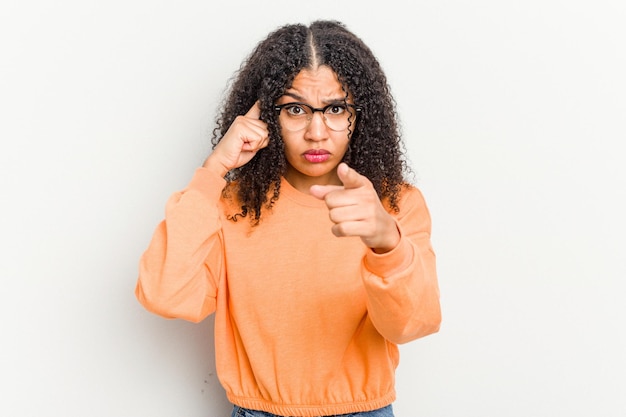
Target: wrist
column 213, row 165
column 390, row 243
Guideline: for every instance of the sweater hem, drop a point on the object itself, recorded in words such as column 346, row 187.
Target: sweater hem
column 311, row 410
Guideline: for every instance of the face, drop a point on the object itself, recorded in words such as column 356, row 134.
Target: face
column 314, row 152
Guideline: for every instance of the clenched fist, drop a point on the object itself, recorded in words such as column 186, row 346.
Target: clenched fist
column 244, row 138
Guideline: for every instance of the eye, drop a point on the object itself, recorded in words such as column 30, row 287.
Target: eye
column 335, row 110
column 295, row 110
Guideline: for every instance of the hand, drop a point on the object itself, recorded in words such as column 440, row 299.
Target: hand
column 245, row 136
column 356, row 210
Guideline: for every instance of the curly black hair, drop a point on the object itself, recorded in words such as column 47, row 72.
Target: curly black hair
column 375, row 149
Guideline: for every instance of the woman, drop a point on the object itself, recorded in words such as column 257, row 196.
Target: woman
column 301, row 235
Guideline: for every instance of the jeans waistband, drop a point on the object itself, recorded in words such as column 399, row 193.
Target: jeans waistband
column 381, row 412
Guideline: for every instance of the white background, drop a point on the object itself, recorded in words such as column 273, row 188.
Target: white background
column 514, row 116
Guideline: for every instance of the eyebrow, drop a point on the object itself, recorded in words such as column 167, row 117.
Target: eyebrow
column 303, row 100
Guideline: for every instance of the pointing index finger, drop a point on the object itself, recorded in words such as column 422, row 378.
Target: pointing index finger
column 320, row 191
column 255, row 110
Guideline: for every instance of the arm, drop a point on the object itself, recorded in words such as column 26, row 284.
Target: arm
column 399, row 271
column 180, row 271
column 402, row 288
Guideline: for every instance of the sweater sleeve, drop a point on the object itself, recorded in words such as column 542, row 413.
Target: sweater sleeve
column 401, row 285
column 180, row 271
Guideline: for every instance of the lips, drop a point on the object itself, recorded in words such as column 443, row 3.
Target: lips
column 316, row 155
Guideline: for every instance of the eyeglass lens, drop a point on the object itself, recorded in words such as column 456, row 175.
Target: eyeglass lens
column 297, row 116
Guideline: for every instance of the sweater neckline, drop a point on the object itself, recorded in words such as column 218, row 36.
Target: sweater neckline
column 289, row 191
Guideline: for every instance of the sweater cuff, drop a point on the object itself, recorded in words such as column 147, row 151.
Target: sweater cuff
column 208, row 183
column 390, row 263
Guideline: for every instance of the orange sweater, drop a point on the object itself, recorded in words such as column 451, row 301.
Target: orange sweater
column 306, row 323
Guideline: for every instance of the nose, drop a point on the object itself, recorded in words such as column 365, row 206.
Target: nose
column 316, row 129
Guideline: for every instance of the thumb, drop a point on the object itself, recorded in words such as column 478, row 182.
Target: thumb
column 349, row 177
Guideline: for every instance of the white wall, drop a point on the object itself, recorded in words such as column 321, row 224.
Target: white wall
column 514, row 115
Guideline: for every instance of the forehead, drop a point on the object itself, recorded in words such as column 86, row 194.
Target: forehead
column 317, row 83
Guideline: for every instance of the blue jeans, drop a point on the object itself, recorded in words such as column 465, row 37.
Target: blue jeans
column 381, row 412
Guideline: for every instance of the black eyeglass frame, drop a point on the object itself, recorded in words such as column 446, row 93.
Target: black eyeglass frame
column 357, row 109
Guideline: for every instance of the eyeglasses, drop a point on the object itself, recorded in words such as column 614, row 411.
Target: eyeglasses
column 337, row 116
